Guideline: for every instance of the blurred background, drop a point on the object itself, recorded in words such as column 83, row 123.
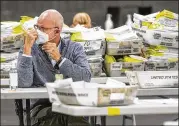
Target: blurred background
column 12, row 10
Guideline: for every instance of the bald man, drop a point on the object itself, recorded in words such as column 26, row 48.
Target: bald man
column 39, row 63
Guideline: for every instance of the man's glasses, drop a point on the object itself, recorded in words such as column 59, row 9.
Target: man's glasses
column 42, row 28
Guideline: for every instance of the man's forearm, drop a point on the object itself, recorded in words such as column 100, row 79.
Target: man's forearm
column 25, row 71
column 27, row 50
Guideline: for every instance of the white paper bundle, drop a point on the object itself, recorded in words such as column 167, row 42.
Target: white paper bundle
column 153, row 79
column 5, row 57
column 7, row 66
column 122, row 37
column 95, row 63
column 94, row 94
column 160, row 28
column 77, row 28
column 120, row 30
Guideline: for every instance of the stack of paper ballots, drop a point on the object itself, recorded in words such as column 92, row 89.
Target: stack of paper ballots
column 91, row 94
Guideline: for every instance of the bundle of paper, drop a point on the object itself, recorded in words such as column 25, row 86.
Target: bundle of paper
column 158, row 28
column 120, row 30
column 95, row 63
column 158, row 58
column 159, row 49
column 123, row 43
column 93, row 41
column 164, row 20
column 91, row 94
column 172, row 50
column 6, row 57
column 158, row 37
column 94, row 59
column 153, row 79
column 12, row 34
column 7, row 26
column 122, row 37
column 6, row 67
column 164, row 62
column 9, row 40
column 95, row 33
column 117, row 67
column 77, row 28
column 120, row 34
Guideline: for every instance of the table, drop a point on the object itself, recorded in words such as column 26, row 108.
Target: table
column 101, row 80
column 39, row 93
column 141, row 107
column 153, row 106
column 28, row 94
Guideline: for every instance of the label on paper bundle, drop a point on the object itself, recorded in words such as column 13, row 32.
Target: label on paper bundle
column 113, row 45
column 91, row 45
column 168, row 22
column 116, row 66
column 158, row 79
column 95, row 65
column 117, row 96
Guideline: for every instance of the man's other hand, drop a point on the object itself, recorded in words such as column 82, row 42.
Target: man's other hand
column 52, row 50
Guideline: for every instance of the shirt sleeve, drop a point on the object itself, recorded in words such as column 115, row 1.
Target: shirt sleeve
column 26, row 55
column 63, row 60
column 25, row 70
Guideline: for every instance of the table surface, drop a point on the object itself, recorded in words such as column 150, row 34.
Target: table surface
column 101, row 80
column 140, row 107
column 33, row 93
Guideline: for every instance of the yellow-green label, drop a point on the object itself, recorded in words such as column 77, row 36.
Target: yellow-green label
column 59, row 76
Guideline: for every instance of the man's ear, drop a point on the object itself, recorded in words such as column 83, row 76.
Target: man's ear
column 57, row 30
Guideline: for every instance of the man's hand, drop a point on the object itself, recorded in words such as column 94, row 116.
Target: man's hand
column 52, row 50
column 30, row 37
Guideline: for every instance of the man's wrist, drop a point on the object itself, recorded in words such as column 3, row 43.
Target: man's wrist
column 27, row 50
column 58, row 58
column 58, row 62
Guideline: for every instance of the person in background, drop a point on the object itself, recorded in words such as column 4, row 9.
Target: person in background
column 39, row 63
column 82, row 19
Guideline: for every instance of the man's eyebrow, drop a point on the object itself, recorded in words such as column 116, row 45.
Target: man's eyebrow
column 40, row 25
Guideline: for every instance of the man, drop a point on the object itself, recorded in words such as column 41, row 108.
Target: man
column 38, row 64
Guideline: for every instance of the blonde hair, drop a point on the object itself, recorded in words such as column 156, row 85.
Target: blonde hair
column 82, row 19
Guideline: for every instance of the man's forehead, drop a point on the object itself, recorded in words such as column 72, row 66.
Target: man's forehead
column 45, row 22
